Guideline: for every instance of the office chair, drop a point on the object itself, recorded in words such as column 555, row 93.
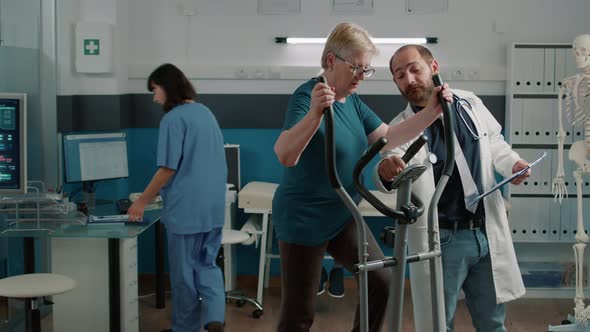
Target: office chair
column 230, row 236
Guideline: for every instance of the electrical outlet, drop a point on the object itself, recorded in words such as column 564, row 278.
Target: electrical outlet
column 458, row 74
column 473, row 75
column 241, row 74
column 274, row 74
column 259, row 74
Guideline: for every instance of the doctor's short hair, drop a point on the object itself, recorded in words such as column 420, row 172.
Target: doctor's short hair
column 173, row 81
column 423, row 51
column 347, row 39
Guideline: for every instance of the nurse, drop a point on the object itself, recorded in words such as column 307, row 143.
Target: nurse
column 191, row 179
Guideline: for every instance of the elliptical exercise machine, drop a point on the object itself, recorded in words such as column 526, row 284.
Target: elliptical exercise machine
column 409, row 208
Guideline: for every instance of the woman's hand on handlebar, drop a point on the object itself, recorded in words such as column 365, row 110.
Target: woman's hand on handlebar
column 390, row 167
column 322, row 97
column 433, row 102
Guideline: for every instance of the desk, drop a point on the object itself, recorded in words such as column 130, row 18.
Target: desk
column 256, row 198
column 102, row 260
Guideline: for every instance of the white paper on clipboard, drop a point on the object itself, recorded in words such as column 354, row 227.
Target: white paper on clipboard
column 506, row 180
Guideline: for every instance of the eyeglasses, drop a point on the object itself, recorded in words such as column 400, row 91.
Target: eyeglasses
column 356, row 70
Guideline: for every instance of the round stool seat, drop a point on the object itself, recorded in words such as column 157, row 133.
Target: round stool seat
column 35, row 285
column 231, row 236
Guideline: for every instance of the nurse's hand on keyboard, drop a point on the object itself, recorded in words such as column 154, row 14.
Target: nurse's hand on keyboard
column 135, row 211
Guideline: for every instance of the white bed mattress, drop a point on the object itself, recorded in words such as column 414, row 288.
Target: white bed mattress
column 258, row 195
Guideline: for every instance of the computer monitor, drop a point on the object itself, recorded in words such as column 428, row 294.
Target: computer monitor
column 13, row 143
column 92, row 157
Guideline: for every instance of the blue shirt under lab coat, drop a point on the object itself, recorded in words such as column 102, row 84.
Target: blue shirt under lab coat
column 451, row 206
column 190, row 142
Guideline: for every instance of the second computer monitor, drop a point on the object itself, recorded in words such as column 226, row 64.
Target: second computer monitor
column 91, row 157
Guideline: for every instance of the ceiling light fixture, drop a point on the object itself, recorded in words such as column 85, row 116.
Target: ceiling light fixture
column 422, row 40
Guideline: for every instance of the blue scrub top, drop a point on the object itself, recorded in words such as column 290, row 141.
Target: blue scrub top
column 306, row 209
column 191, row 143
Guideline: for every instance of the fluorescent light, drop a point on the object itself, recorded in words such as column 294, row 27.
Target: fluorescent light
column 423, row 40
column 294, row 41
column 306, row 40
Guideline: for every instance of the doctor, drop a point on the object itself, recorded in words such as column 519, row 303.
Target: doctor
column 477, row 251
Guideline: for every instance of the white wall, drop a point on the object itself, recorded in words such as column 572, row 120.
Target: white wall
column 227, row 36
column 70, row 12
column 19, row 23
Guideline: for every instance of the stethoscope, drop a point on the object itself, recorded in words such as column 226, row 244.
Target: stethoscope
column 465, row 105
column 461, row 105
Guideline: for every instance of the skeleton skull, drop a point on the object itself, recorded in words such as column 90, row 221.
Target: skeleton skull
column 581, row 49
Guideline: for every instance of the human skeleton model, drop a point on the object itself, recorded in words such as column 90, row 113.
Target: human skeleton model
column 575, row 92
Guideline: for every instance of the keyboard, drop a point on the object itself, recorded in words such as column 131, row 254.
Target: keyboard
column 115, row 219
column 109, row 219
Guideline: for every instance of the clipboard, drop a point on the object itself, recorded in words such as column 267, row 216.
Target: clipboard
column 506, row 180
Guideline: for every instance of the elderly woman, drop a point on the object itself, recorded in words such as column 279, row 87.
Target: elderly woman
column 308, row 215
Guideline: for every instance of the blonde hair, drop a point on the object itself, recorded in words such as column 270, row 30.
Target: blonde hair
column 348, row 38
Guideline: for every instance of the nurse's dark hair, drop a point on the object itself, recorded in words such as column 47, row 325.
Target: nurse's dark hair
column 174, row 83
column 423, row 51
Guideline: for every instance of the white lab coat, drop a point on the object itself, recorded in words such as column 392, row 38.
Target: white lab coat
column 496, row 155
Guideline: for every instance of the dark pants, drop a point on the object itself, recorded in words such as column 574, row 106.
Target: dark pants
column 300, row 276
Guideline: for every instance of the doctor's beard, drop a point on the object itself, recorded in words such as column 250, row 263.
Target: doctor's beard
column 418, row 95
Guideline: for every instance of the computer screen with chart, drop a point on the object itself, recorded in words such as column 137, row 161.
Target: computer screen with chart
column 13, row 144
column 97, row 156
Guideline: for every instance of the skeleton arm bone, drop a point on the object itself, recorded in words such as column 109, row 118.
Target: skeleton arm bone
column 558, row 187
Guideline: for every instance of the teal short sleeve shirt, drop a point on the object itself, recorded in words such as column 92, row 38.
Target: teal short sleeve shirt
column 306, row 209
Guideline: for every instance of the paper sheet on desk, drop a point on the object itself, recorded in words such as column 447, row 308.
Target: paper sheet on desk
column 506, row 180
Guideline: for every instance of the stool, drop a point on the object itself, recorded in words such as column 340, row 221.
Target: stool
column 230, row 236
column 31, row 287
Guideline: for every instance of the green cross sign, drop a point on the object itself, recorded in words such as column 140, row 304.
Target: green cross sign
column 91, row 47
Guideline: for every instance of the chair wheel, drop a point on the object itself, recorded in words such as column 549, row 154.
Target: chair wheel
column 257, row 313
column 240, row 303
column 565, row 322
